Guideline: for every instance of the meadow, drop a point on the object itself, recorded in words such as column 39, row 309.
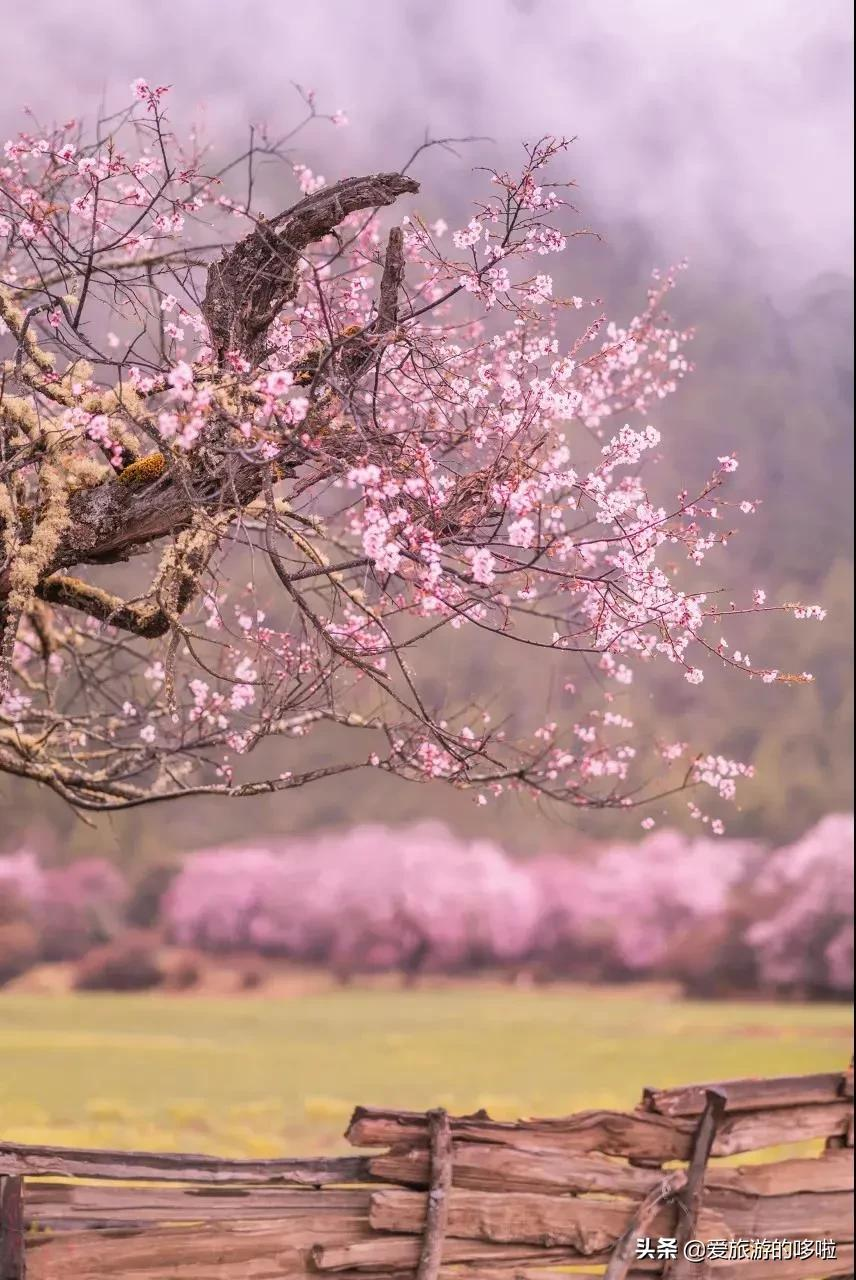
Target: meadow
column 259, row 1076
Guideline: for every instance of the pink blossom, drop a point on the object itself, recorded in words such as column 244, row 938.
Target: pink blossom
column 483, row 565
column 278, row 383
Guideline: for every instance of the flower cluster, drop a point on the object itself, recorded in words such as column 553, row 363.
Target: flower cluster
column 389, row 439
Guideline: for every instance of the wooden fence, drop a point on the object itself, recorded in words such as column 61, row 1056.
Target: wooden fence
column 467, row 1197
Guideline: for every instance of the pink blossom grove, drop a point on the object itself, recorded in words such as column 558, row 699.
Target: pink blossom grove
column 716, row 914
column 421, row 900
column 254, row 460
column 369, row 899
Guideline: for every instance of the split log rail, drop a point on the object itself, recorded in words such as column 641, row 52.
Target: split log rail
column 466, row 1198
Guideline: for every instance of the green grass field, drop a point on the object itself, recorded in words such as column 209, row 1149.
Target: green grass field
column 263, row 1077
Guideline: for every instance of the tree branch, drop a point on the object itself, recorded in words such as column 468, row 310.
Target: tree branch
column 391, row 281
column 176, row 585
column 250, row 284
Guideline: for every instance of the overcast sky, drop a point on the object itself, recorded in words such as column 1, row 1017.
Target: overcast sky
column 725, row 127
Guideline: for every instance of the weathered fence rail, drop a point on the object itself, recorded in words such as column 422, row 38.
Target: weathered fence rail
column 465, row 1197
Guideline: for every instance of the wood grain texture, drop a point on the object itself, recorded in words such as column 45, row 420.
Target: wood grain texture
column 585, row 1224
column 588, row 1223
column 155, row 1166
column 748, row 1095
column 641, row 1135
column 437, row 1202
column 391, row 1252
column 497, row 1168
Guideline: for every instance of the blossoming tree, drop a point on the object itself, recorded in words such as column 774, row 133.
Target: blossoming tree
column 383, row 431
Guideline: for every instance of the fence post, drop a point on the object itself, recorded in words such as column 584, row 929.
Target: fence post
column 439, row 1186
column 690, row 1198
column 13, row 1264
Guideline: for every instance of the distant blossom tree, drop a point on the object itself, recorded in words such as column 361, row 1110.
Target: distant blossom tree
column 383, row 434
column 803, row 935
column 626, row 910
column 371, row 899
column 70, row 907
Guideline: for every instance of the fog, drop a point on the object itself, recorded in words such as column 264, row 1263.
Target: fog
column 724, row 130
